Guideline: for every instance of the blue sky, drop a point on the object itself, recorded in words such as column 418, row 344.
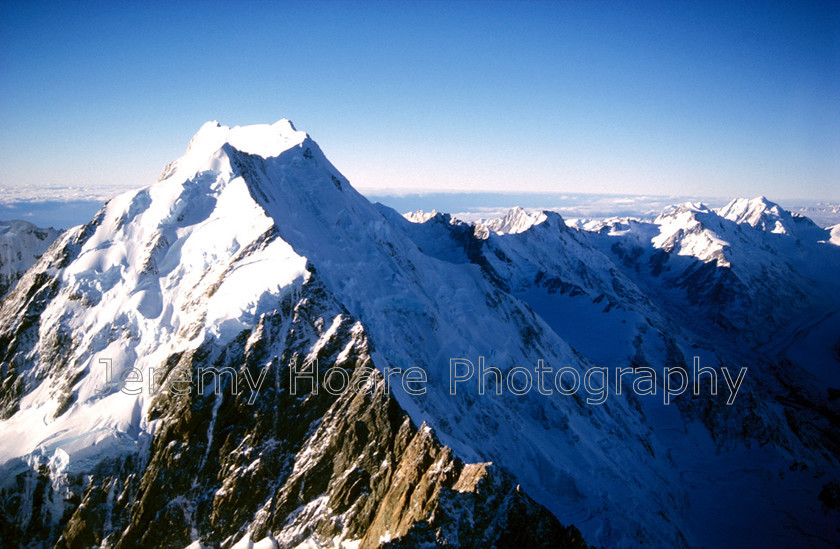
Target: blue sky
column 716, row 99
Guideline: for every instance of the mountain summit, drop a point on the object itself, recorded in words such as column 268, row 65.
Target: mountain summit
column 769, row 216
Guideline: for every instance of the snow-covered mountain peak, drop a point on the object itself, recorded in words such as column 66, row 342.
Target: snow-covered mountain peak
column 686, row 210
column 689, row 217
column 694, row 230
column 516, row 220
column 420, row 216
column 768, row 216
column 265, row 140
column 192, row 258
column 756, row 211
column 744, row 209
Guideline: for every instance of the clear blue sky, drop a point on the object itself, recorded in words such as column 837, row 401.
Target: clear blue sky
column 667, row 98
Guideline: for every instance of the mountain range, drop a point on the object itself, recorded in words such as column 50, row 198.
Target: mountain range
column 169, row 370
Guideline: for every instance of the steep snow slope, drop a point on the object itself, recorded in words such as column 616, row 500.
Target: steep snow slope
column 311, row 469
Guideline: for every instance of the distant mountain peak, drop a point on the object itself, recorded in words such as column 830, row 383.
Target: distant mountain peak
column 768, row 216
column 420, row 216
column 750, row 210
column 21, row 245
column 516, row 220
column 686, row 207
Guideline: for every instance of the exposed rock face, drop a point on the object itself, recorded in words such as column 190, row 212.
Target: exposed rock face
column 312, row 468
column 481, row 508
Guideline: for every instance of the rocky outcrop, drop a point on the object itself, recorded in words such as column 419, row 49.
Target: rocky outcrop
column 312, row 468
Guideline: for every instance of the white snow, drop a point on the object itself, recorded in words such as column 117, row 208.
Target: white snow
column 420, row 216
column 261, row 139
column 682, row 228
column 515, row 221
column 246, row 543
column 835, row 234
